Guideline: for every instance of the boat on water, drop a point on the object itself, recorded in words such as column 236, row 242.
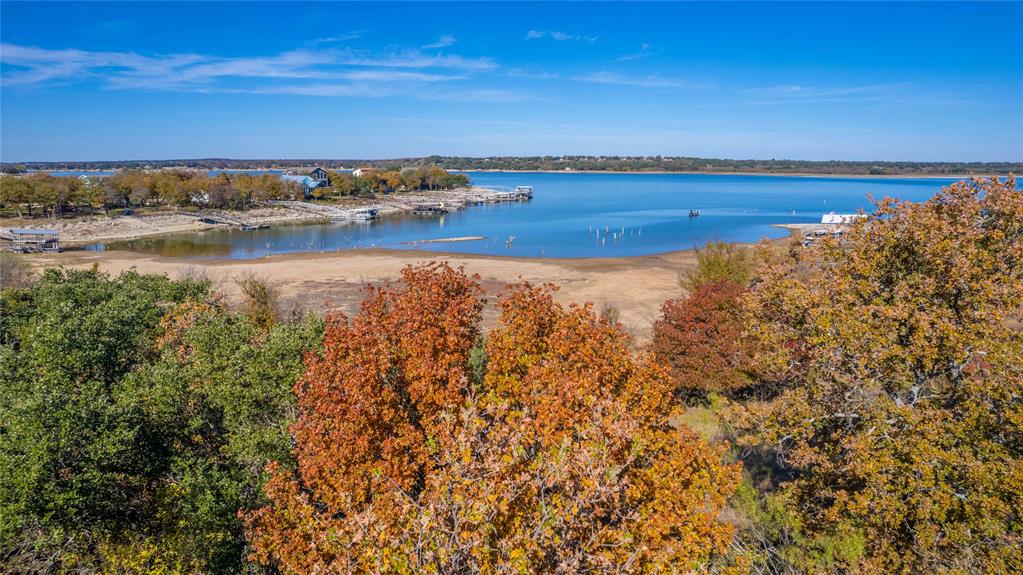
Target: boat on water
column 523, row 192
column 694, row 213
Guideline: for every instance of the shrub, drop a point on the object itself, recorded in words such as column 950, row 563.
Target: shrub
column 260, row 300
column 720, row 262
column 15, row 271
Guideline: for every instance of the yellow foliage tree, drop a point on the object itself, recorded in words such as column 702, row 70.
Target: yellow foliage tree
column 902, row 417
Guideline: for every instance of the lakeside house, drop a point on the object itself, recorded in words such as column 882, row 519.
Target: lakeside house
column 834, row 218
column 315, row 178
column 359, row 172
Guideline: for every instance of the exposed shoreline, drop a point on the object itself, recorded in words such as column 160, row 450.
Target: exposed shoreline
column 636, row 286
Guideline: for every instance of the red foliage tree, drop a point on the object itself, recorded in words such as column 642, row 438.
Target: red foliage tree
column 701, row 338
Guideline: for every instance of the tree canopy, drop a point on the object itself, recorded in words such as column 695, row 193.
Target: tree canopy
column 562, row 460
column 901, row 420
column 137, row 415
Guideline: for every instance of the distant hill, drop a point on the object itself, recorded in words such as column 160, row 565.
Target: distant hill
column 563, row 163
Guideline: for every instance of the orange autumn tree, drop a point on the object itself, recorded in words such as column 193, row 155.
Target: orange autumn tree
column 562, row 461
column 902, row 421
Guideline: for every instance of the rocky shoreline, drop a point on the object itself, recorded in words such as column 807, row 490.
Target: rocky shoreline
column 88, row 230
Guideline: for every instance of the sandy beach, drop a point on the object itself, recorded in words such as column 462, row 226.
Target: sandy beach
column 636, row 286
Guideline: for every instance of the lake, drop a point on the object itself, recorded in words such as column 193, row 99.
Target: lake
column 577, row 215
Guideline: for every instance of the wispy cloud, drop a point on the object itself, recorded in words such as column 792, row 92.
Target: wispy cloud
column 613, row 78
column 559, row 36
column 644, row 51
column 416, row 59
column 354, row 35
column 652, row 81
column 444, row 41
column 478, row 95
column 31, row 65
column 306, row 71
column 893, row 93
column 533, row 74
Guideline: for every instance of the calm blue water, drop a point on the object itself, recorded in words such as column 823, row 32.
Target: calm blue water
column 568, row 210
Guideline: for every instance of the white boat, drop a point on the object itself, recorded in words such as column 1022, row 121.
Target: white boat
column 524, row 192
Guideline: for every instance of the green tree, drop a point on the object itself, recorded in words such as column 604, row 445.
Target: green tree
column 73, row 459
column 137, row 416
column 220, row 402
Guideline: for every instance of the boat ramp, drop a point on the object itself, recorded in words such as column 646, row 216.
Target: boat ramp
column 227, row 219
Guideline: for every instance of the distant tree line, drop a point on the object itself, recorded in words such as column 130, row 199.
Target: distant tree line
column 560, row 163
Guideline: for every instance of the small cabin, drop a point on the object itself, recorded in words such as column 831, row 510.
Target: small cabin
column 32, row 240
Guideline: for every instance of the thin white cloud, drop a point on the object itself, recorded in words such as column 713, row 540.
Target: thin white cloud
column 652, row 81
column 31, row 65
column 307, row 71
column 559, row 36
column 443, row 42
column 478, row 95
column 416, row 59
column 792, row 93
column 612, row 78
column 355, row 35
column 644, row 51
column 533, row 74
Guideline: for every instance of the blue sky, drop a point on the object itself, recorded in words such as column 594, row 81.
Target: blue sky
column 870, row 81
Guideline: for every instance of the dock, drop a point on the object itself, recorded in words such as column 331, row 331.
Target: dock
column 26, row 240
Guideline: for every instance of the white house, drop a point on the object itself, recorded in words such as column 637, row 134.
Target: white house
column 834, row 218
